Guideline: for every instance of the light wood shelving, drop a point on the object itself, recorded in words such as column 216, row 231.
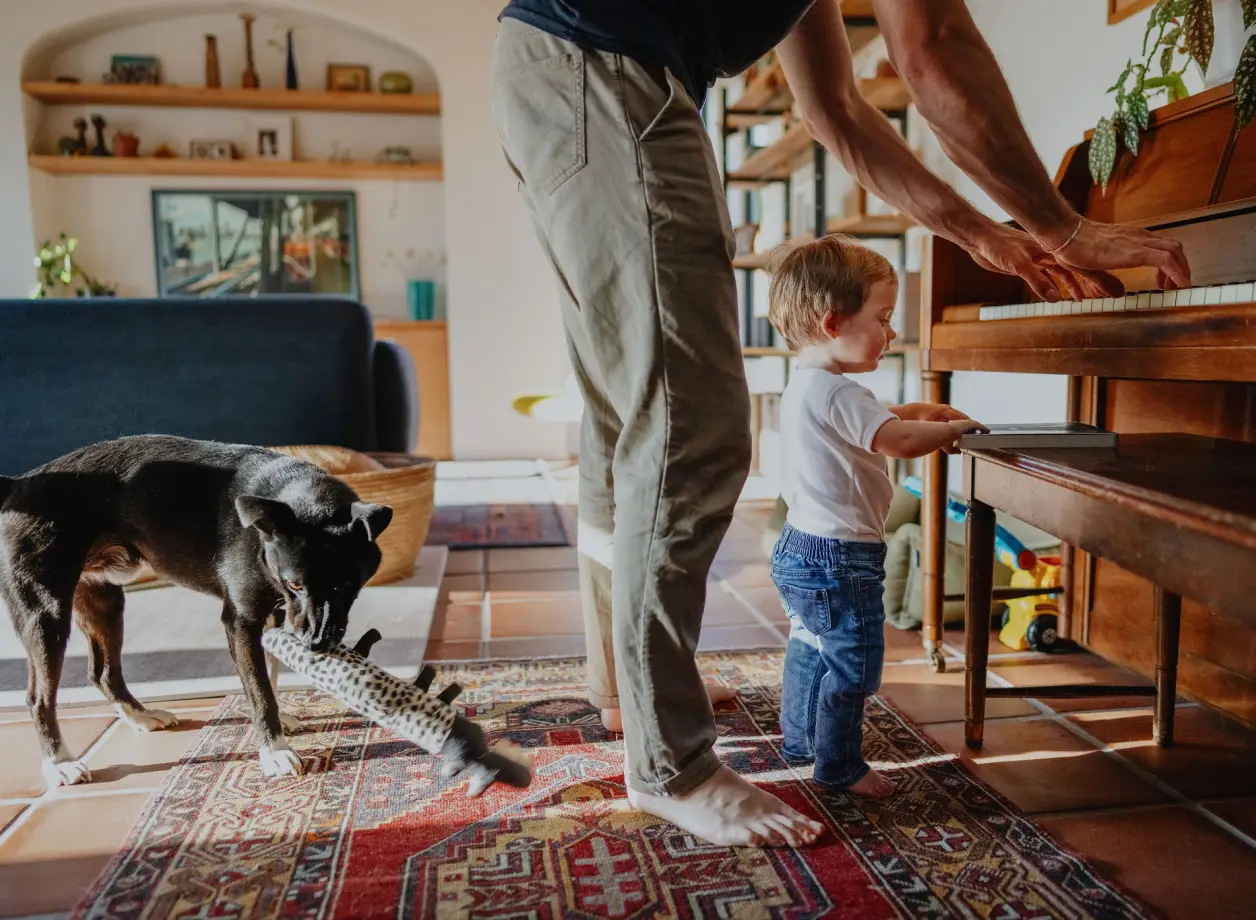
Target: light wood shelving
column 199, row 97
column 867, row 225
column 778, row 160
column 260, row 169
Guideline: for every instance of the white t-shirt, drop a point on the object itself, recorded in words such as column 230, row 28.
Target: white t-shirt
column 833, row 483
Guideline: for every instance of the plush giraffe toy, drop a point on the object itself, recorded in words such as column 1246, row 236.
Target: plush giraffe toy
column 425, row 719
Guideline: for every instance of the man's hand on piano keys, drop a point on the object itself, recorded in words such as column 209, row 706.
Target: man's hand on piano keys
column 1106, row 247
column 1005, row 249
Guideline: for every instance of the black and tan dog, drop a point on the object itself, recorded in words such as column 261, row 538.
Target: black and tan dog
column 270, row 535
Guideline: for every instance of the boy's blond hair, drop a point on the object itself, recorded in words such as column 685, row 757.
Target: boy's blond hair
column 811, row 280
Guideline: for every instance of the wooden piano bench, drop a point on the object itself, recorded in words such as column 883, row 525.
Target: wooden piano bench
column 1176, row 510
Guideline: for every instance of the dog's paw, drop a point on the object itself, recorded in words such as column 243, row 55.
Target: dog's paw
column 147, row 720
column 66, row 773
column 291, row 724
column 279, row 760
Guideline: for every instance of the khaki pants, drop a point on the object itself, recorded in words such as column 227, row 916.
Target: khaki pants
column 618, row 172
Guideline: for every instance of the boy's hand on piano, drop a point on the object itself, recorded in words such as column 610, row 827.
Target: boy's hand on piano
column 929, row 412
column 1099, row 247
column 962, row 427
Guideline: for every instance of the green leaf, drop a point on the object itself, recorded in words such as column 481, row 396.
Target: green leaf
column 1180, row 7
column 1166, row 60
column 1130, row 135
column 1137, row 108
column 1171, row 37
column 1199, row 32
column 1102, row 152
column 1119, row 86
column 1245, row 84
column 1249, row 13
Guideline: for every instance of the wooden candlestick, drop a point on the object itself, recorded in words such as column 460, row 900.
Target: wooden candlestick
column 250, row 80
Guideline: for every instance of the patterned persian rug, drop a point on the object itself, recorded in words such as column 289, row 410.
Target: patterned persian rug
column 371, row 831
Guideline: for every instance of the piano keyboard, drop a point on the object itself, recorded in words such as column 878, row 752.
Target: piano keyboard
column 1212, row 295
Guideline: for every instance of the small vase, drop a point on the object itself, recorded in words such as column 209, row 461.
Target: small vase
column 291, row 81
column 213, row 80
column 421, row 297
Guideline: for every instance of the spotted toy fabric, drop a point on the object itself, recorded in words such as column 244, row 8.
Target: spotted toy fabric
column 367, row 689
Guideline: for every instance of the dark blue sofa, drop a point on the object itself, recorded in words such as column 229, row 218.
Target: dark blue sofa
column 265, row 370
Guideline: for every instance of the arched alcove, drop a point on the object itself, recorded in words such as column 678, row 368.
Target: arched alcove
column 108, row 206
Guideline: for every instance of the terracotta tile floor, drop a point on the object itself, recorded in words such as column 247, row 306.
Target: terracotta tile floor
column 1176, row 826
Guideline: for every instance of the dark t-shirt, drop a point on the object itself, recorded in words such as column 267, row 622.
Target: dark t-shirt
column 698, row 40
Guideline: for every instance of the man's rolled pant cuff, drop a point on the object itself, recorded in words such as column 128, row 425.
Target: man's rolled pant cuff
column 696, row 773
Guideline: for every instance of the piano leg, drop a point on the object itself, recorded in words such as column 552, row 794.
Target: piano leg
column 978, row 588
column 1168, row 628
column 936, row 388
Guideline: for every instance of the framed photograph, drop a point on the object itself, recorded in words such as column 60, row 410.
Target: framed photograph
column 212, row 150
column 222, row 242
column 135, row 68
column 271, row 138
column 1123, row 9
column 348, row 78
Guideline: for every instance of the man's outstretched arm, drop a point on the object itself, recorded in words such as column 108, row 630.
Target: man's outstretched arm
column 958, row 88
column 817, row 61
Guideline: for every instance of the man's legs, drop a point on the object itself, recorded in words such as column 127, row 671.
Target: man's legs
column 618, row 172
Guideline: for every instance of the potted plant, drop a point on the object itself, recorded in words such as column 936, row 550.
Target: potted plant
column 1179, row 33
column 56, row 267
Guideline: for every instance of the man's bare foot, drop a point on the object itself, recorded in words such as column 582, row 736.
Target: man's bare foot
column 612, row 721
column 728, row 810
column 872, row 785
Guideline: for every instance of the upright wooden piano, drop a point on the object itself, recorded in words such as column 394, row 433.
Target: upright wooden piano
column 1150, row 361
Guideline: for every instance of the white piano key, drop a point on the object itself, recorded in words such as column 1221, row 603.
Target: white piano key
column 1144, row 301
column 1025, row 309
column 1170, row 298
column 1247, row 292
column 1157, row 300
column 1212, row 295
column 1230, row 293
column 1111, row 304
column 1197, row 297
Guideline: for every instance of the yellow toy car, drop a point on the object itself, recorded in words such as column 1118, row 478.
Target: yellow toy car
column 1033, row 622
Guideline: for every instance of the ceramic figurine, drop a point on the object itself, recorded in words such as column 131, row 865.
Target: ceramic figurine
column 75, row 146
column 213, row 79
column 100, row 150
column 250, row 80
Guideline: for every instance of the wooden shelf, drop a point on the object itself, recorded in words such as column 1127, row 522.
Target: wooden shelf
column 263, row 169
column 768, row 92
column 875, row 225
column 780, row 159
column 198, row 97
column 871, row 224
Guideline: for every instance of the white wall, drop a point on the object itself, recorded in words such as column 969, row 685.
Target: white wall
column 505, row 333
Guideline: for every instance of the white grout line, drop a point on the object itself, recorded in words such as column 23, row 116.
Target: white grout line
column 1145, row 775
column 754, row 611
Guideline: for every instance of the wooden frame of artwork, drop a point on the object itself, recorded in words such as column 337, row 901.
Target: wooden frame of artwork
column 1123, row 9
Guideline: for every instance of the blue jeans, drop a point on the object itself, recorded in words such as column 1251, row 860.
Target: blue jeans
column 832, row 591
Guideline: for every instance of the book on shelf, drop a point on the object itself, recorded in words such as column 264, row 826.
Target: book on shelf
column 1038, row 435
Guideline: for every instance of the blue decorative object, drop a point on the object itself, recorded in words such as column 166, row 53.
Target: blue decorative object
column 421, row 295
column 292, row 64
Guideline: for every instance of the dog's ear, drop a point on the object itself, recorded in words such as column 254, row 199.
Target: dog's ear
column 266, row 514
column 373, row 519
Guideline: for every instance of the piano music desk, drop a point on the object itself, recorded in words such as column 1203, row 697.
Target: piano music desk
column 1178, row 510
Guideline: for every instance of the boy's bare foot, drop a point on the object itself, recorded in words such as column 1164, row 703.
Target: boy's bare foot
column 872, row 785
column 612, row 721
column 728, row 810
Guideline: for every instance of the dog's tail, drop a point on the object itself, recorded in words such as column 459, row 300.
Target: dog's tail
column 6, row 486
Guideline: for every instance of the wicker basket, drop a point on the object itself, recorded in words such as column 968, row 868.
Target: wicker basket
column 403, row 482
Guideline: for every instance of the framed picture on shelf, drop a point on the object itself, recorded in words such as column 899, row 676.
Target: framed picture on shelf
column 348, row 78
column 1123, row 9
column 135, row 69
column 271, row 138
column 212, row 150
